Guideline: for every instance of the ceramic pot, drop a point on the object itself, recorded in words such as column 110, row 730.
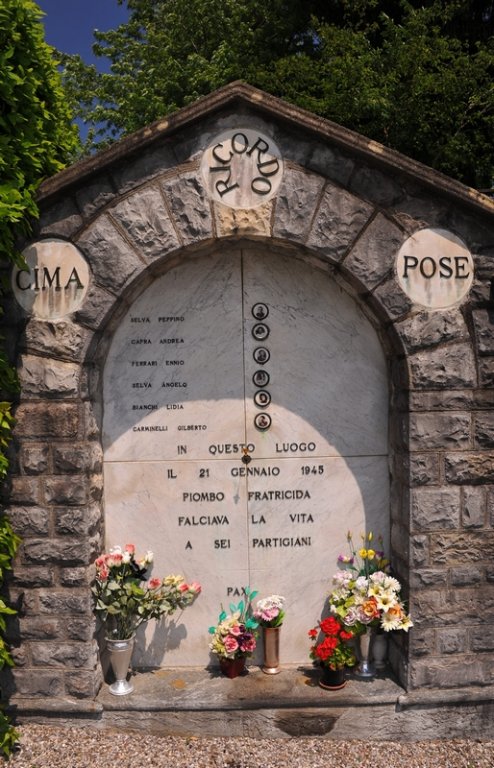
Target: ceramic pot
column 232, row 667
column 120, row 654
column 271, row 640
column 365, row 667
column 332, row 679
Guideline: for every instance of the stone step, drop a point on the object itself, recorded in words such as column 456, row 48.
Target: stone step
column 203, row 702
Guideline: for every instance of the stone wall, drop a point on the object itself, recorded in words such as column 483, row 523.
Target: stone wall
column 345, row 206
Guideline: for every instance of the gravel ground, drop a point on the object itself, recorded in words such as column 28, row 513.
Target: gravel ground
column 85, row 747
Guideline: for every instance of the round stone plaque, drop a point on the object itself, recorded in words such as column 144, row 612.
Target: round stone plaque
column 242, row 168
column 434, row 268
column 55, row 282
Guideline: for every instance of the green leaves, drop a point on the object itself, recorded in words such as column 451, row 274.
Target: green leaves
column 35, row 124
column 36, row 138
column 418, row 79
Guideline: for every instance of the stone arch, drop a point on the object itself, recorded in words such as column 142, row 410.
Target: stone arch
column 347, row 206
column 348, row 277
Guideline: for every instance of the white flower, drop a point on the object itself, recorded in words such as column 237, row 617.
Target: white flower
column 342, row 577
column 351, row 617
column 390, row 622
column 126, row 557
column 390, row 583
column 406, row 623
column 362, row 585
column 386, row 600
column 273, row 601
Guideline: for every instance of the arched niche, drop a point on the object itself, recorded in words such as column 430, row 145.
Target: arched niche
column 206, row 354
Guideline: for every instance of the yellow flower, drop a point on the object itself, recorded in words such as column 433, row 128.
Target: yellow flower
column 363, row 553
column 370, row 536
column 370, row 554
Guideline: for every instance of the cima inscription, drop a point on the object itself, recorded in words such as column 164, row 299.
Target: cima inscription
column 55, row 282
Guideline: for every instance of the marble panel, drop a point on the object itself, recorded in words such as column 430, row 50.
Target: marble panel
column 173, row 384
column 207, row 354
column 277, row 525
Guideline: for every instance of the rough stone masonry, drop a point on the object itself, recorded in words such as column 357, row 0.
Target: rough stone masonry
column 344, row 206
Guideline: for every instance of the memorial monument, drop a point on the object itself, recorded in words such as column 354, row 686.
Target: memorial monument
column 244, row 331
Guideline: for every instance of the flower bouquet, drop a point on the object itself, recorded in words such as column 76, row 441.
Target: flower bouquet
column 270, row 611
column 125, row 600
column 234, row 636
column 331, row 644
column 331, row 649
column 365, row 594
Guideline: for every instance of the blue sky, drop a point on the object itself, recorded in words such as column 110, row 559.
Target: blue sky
column 69, row 24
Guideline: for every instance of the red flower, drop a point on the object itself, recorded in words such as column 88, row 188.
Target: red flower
column 326, row 649
column 312, row 633
column 330, row 626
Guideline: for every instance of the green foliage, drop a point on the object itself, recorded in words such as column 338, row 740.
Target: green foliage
column 9, row 543
column 125, row 601
column 409, row 85
column 36, row 138
column 414, row 75
column 173, row 51
column 35, row 131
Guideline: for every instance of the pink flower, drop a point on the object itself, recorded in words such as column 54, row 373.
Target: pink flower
column 248, row 643
column 266, row 614
column 346, row 559
column 236, row 630
column 183, row 587
column 103, row 574
column 130, row 548
column 154, row 583
column 195, row 587
column 230, row 644
column 114, row 560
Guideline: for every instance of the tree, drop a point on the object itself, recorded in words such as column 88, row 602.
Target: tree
column 407, row 85
column 416, row 76
column 173, row 51
column 36, row 137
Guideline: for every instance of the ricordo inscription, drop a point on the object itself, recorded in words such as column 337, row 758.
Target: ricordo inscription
column 242, row 168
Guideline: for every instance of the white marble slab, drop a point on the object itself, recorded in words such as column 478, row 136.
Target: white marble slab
column 279, row 522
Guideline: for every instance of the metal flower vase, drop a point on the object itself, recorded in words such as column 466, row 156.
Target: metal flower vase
column 271, row 641
column 365, row 667
column 379, row 650
column 120, row 654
